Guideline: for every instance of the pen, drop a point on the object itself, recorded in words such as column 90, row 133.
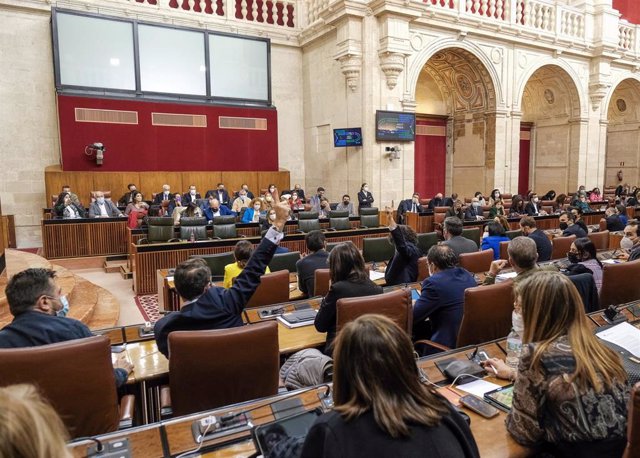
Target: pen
column 493, row 369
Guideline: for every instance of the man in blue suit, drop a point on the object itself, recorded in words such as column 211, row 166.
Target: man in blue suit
column 215, row 209
column 212, row 307
column 442, row 298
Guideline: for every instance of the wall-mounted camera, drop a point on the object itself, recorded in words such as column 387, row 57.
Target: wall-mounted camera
column 96, row 148
column 393, row 152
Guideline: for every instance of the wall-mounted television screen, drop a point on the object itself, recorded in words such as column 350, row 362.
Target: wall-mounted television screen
column 347, row 137
column 395, row 126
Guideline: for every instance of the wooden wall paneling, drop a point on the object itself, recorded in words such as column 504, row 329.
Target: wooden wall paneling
column 152, row 182
column 116, row 182
column 204, row 181
column 108, row 238
column 80, row 182
column 280, row 179
column 64, row 240
column 234, row 180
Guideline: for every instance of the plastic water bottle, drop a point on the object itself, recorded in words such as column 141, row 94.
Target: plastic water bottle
column 514, row 347
column 192, row 238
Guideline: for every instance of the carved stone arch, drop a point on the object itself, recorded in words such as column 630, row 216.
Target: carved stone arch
column 608, row 99
column 487, row 69
column 570, row 78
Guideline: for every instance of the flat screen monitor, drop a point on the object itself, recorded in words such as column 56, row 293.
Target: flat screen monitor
column 395, row 126
column 347, row 137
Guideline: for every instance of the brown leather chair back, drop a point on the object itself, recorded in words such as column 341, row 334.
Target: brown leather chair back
column 633, row 424
column 76, row 377
column 209, row 369
column 477, row 262
column 620, row 283
column 423, row 269
column 600, row 239
column 321, row 282
column 504, row 246
column 273, row 289
column 487, row 313
column 438, row 218
column 560, row 246
column 395, row 305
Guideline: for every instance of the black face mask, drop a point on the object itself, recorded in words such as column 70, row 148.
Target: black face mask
column 346, row 202
column 573, row 258
column 564, row 226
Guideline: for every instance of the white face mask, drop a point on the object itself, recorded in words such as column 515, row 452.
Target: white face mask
column 256, row 207
column 100, row 200
column 192, row 192
column 365, row 189
column 626, row 243
column 272, row 217
column 517, row 322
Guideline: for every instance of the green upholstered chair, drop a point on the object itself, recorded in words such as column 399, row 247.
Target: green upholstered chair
column 193, row 225
column 159, row 230
column 513, row 234
column 216, row 263
column 224, row 227
column 472, row 233
column 377, row 249
column 369, row 217
column 284, row 261
column 339, row 220
column 308, row 221
column 427, row 240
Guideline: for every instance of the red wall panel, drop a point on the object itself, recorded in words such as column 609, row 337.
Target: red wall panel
column 630, row 10
column 430, row 154
column 144, row 147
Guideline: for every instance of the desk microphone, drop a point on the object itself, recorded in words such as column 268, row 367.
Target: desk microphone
column 612, row 314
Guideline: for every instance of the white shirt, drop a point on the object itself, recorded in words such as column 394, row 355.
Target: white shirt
column 103, row 209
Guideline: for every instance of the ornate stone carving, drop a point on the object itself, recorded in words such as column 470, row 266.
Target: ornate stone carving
column 391, row 64
column 597, row 92
column 350, row 66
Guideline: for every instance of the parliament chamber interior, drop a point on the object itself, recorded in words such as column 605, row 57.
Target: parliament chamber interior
column 320, row 228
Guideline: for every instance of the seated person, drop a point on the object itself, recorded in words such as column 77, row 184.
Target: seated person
column 318, row 258
column 349, row 278
column 242, row 252
column 441, row 298
column 437, row 201
column 164, row 195
column 40, row 316
column 450, row 201
column 383, row 412
column 561, row 203
column 630, row 243
column 583, row 252
column 621, row 211
column 216, row 209
column 295, row 202
column 242, row 201
column 502, row 221
column 582, row 203
column 128, row 197
column 614, row 223
column 74, row 197
column 530, row 229
column 595, row 195
column 103, row 208
column 66, row 208
column 403, row 265
column 452, row 232
column 409, row 205
column 496, row 209
column 478, row 195
column 457, row 210
column 29, row 426
column 272, row 190
column 176, row 208
column 474, row 211
column 495, row 196
column 571, row 394
column 247, row 193
column 220, row 193
column 298, row 189
column 347, row 206
column 568, row 227
column 522, row 257
column 254, row 212
column 268, row 201
column 492, row 241
column 191, row 196
column 517, row 207
column 533, row 206
column 136, row 210
column 577, row 213
column 549, row 195
column 211, row 307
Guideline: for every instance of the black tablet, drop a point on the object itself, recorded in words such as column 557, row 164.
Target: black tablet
column 501, row 397
column 284, row 434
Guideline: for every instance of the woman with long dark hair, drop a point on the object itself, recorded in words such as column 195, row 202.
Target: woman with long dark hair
column 583, row 251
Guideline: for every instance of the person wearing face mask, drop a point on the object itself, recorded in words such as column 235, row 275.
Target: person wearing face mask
column 522, row 257
column 478, row 195
column 162, row 196
column 215, row 208
column 568, row 227
column 253, row 213
column 346, row 205
column 190, row 196
column 494, row 196
column 533, row 206
column 325, row 208
column 583, row 252
column 268, row 200
column 295, row 202
column 612, row 220
column 40, row 316
column 409, row 205
column 441, row 298
column 403, row 265
column 530, row 229
column 365, row 198
column 273, row 191
column 437, row 201
column 496, row 209
column 128, row 196
column 474, row 211
column 136, row 210
column 220, row 193
column 456, row 209
column 242, row 201
column 103, row 208
column 314, row 201
column 630, row 243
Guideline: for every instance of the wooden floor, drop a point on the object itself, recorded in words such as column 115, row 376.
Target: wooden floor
column 89, row 303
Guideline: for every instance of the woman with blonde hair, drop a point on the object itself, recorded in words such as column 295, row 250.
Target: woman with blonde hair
column 254, row 211
column 570, row 393
column 381, row 408
column 29, row 427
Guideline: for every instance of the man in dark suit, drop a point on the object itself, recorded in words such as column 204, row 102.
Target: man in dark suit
column 248, row 193
column 441, row 298
column 613, row 220
column 543, row 244
column 474, row 211
column 568, row 226
column 103, row 208
column 221, row 194
column 212, row 307
column 190, row 196
column 403, row 265
column 452, row 232
column 316, row 259
column 409, row 205
column 437, row 201
column 533, row 206
column 214, row 208
column 39, row 313
column 164, row 195
column 127, row 197
column 449, row 201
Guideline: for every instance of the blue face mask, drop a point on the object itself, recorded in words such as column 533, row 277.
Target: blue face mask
column 65, row 306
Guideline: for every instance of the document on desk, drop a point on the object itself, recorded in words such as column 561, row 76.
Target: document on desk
column 373, row 275
column 505, row 277
column 623, row 335
column 478, row 387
